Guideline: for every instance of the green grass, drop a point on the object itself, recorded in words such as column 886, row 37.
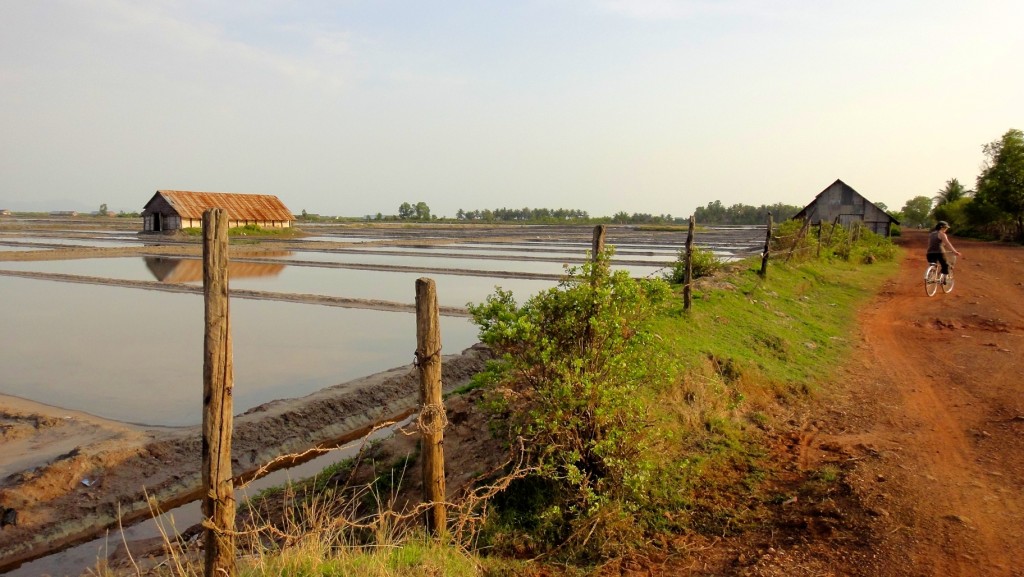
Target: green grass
column 748, row 351
column 786, row 330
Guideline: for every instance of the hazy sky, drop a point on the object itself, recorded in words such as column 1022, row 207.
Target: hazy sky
column 350, row 107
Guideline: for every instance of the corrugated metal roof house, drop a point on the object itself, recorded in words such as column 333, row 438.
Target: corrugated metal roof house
column 840, row 203
column 177, row 209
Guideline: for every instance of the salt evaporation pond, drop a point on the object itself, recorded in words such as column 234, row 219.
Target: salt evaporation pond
column 137, row 356
column 452, row 290
column 464, row 261
column 65, row 241
column 8, row 247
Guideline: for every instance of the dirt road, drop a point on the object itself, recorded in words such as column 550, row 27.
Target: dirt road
column 933, row 412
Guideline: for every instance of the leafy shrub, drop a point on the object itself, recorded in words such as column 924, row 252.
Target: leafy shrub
column 786, row 240
column 705, row 263
column 571, row 379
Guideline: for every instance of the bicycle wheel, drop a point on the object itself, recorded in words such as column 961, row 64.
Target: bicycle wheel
column 947, row 287
column 931, row 280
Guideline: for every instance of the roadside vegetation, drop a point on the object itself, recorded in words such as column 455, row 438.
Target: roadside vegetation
column 994, row 210
column 627, row 421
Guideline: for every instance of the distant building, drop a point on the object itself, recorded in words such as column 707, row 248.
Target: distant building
column 5, row 212
column 841, row 204
column 177, row 209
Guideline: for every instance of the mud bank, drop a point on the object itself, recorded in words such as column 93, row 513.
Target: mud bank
column 78, row 473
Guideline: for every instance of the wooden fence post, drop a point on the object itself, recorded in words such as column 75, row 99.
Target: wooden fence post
column 818, row 254
column 598, row 248
column 832, row 231
column 218, row 381
column 598, row 262
column 432, row 414
column 688, row 271
column 799, row 237
column 767, row 245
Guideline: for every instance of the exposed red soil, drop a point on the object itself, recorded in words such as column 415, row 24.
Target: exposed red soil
column 925, row 425
column 936, row 390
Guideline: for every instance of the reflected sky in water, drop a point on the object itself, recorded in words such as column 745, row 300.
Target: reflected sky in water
column 64, row 241
column 136, row 356
column 9, row 247
column 428, row 259
column 362, row 284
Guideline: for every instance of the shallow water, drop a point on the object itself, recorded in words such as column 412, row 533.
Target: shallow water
column 65, row 241
column 452, row 290
column 137, row 356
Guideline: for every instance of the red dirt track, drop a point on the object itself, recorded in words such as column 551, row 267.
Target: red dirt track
column 937, row 393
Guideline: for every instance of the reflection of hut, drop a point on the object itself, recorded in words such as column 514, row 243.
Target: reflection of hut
column 841, row 204
column 176, row 209
column 184, row 270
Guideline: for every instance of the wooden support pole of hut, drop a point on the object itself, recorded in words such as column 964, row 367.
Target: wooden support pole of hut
column 767, row 245
column 218, row 381
column 432, row 414
column 688, row 271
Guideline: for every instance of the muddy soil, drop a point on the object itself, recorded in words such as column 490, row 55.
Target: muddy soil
column 68, row 476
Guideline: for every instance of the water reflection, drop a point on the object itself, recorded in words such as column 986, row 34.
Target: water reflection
column 452, row 290
column 181, row 270
column 136, row 356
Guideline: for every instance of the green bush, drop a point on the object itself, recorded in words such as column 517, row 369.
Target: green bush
column 572, row 380
column 705, row 263
column 787, row 240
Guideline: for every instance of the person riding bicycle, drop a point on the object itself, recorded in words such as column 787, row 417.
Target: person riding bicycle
column 938, row 243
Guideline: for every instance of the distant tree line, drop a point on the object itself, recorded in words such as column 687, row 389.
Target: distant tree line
column 524, row 215
column 717, row 213
column 994, row 209
column 643, row 218
column 713, row 213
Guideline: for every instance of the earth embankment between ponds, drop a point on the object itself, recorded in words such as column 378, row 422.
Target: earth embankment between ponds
column 77, row 495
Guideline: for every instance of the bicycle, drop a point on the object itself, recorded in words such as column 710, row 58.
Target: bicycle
column 933, row 278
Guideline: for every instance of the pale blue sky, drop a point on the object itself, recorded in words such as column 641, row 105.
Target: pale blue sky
column 351, row 107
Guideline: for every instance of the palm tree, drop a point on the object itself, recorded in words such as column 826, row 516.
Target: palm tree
column 953, row 192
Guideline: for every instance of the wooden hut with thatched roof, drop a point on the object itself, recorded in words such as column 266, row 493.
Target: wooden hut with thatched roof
column 840, row 204
column 171, row 210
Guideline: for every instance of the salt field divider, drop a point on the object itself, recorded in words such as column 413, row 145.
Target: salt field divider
column 334, row 301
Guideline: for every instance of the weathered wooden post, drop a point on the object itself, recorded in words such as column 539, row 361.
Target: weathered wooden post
column 598, row 248
column 818, row 254
column 218, row 380
column 688, row 271
column 832, row 231
column 432, row 414
column 799, row 237
column 598, row 262
column 767, row 245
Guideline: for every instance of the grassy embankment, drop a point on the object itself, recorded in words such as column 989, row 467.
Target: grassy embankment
column 749, row 353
